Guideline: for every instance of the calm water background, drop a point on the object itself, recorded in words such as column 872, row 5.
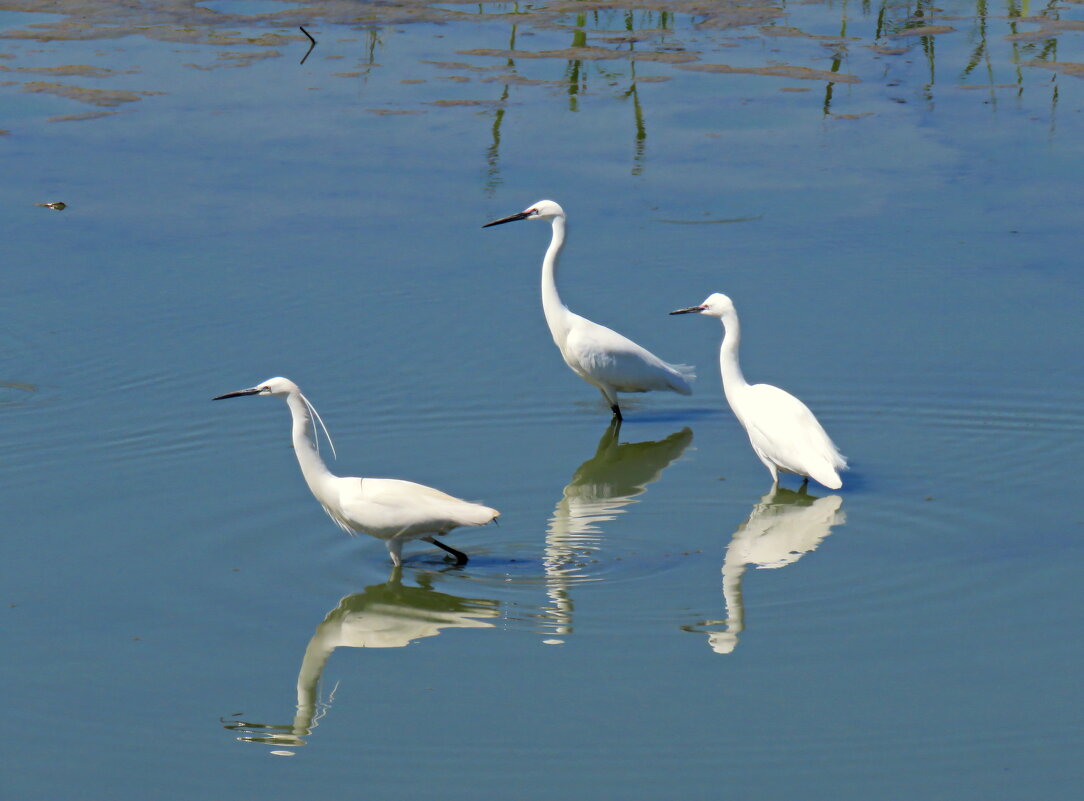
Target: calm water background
column 902, row 241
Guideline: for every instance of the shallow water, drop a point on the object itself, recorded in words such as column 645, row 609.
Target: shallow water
column 895, row 216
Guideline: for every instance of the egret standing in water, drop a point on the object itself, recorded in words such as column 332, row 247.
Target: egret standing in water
column 603, row 358
column 783, row 432
column 386, row 508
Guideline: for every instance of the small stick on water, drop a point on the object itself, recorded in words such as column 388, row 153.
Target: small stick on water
column 311, row 46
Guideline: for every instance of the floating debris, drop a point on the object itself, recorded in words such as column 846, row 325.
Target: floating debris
column 95, row 97
column 86, row 115
column 922, row 30
column 311, row 45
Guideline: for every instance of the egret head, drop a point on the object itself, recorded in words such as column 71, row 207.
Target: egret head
column 542, row 210
column 716, row 305
column 278, row 386
column 283, row 388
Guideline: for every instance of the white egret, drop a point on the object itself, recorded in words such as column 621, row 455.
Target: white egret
column 600, row 356
column 783, row 432
column 389, row 509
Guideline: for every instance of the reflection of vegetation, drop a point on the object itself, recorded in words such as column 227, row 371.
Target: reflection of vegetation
column 574, row 72
column 633, row 92
column 635, row 36
column 493, row 152
column 900, row 28
column 837, row 59
column 638, row 116
column 981, row 53
column 577, row 70
column 609, row 47
column 372, row 35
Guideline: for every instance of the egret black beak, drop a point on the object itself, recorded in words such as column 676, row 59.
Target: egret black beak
column 238, row 393
column 690, row 310
column 523, row 215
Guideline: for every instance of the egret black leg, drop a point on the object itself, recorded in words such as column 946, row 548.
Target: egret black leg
column 805, row 484
column 613, row 431
column 617, row 412
column 460, row 557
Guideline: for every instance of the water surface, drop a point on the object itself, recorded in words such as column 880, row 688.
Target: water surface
column 887, row 192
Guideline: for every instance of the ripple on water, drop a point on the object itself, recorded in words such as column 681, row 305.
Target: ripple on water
column 534, row 590
column 17, row 393
column 534, row 577
column 1021, row 411
column 86, row 422
column 30, row 367
column 542, row 600
column 956, row 435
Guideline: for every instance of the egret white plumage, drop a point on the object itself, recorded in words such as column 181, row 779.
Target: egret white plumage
column 783, row 432
column 600, row 356
column 389, row 509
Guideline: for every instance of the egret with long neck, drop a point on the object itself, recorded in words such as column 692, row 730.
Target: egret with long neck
column 600, row 356
column 784, row 434
column 389, row 509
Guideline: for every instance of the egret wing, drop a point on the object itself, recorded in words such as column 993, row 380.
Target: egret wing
column 786, row 431
column 388, row 506
column 607, row 357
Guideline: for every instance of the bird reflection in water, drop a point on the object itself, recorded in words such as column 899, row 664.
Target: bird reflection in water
column 388, row 615
column 782, row 527
column 599, row 490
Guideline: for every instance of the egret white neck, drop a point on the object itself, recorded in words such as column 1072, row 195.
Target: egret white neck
column 556, row 312
column 312, row 465
column 729, row 364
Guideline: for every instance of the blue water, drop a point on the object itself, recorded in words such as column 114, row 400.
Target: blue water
column 647, row 621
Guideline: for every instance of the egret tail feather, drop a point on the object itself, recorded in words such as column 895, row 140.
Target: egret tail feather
column 686, row 373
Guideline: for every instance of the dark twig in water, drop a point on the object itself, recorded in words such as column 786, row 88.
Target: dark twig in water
column 311, row 46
